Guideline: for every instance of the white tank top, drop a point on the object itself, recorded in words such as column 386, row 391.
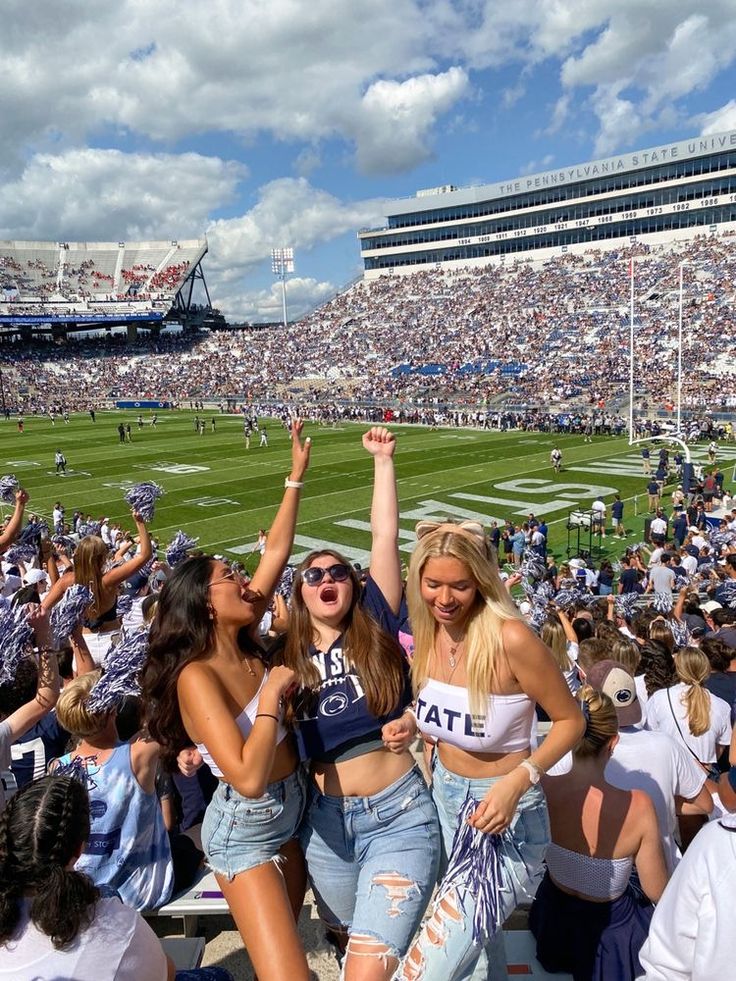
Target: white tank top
column 443, row 712
column 244, row 722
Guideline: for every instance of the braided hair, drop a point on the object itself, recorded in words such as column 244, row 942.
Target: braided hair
column 42, row 829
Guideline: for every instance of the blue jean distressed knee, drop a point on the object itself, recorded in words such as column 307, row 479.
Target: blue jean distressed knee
column 373, row 861
column 444, row 950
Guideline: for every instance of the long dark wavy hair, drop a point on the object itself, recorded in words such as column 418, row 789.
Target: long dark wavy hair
column 182, row 631
column 41, row 829
column 374, row 654
column 658, row 667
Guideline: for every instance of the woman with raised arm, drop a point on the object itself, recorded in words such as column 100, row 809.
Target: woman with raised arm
column 370, row 832
column 15, row 521
column 90, row 558
column 478, row 671
column 206, row 681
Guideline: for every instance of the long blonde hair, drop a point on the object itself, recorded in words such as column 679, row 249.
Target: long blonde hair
column 693, row 668
column 89, row 567
column 553, row 635
column 491, row 608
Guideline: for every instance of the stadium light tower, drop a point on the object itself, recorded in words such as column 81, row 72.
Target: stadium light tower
column 282, row 262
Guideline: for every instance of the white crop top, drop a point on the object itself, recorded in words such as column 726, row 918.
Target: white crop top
column 599, row 878
column 443, row 713
column 244, row 722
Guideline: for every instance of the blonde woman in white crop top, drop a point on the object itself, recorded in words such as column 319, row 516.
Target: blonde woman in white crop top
column 478, row 671
column 586, row 917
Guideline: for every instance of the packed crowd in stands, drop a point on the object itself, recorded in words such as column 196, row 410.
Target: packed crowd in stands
column 507, row 335
column 29, row 286
column 160, row 711
column 575, row 720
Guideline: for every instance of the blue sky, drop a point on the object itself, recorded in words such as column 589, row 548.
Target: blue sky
column 263, row 123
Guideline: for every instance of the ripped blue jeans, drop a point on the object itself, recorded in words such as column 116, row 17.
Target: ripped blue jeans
column 373, row 861
column 444, row 949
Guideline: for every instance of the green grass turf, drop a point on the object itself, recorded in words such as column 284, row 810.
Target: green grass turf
column 238, row 491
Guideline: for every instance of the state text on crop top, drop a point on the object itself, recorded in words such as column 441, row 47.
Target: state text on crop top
column 443, row 713
column 244, row 722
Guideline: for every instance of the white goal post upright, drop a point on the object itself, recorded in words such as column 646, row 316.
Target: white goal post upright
column 687, row 476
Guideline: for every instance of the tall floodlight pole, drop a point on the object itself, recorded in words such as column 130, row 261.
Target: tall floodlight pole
column 282, row 262
column 631, row 352
column 679, row 359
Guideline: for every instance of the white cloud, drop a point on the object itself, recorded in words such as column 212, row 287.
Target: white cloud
column 719, row 120
column 538, row 166
column 634, row 59
column 289, row 212
column 170, row 68
column 265, row 305
column 106, row 195
column 396, row 118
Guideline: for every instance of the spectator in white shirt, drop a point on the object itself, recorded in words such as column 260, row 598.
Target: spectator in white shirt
column 691, row 933
column 689, row 712
column 661, row 577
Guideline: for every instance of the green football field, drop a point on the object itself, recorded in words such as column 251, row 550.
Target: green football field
column 220, row 492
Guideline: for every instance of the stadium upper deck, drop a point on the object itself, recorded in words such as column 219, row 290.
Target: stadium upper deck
column 88, row 283
column 674, row 190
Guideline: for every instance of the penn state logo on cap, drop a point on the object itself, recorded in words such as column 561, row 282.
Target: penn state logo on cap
column 612, row 678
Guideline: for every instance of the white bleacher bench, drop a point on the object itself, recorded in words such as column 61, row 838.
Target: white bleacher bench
column 203, row 898
column 185, row 952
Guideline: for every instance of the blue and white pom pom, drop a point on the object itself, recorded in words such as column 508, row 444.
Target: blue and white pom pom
column 178, row 548
column 21, row 553
column 123, row 664
column 532, row 566
column 624, row 604
column 66, row 542
column 89, row 528
column 474, row 870
column 16, row 637
column 727, row 590
column 9, row 487
column 142, row 498
column 662, row 602
column 286, row 583
column 78, row 769
column 124, row 604
column 567, row 599
column 69, row 612
column 33, row 532
column 680, row 632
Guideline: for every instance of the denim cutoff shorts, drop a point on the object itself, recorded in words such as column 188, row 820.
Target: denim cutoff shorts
column 373, row 861
column 239, row 833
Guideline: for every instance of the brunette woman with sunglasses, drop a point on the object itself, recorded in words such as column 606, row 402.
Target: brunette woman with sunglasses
column 206, row 682
column 370, row 833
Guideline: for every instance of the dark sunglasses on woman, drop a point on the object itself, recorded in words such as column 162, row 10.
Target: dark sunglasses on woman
column 313, row 576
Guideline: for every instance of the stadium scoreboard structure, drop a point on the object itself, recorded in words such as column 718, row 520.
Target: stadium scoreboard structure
column 674, row 190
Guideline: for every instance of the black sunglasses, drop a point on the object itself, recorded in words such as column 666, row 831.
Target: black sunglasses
column 313, row 576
